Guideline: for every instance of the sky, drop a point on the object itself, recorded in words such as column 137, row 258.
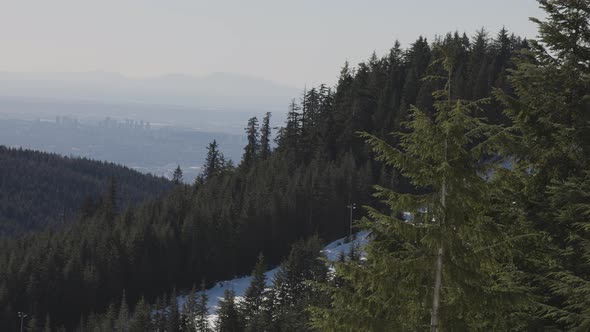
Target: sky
column 295, row 43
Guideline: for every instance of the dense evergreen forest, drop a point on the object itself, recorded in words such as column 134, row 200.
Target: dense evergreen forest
column 487, row 247
column 38, row 189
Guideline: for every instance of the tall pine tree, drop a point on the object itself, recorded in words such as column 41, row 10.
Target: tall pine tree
column 446, row 269
column 228, row 315
column 202, row 311
column 214, row 162
column 252, row 303
column 177, row 175
column 551, row 160
column 252, row 147
column 265, row 134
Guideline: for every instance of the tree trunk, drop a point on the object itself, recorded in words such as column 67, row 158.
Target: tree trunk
column 434, row 316
column 436, row 294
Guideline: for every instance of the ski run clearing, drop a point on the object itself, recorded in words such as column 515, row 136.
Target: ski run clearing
column 332, row 251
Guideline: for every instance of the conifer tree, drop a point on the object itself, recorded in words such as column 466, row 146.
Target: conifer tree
column 570, row 199
column 228, row 315
column 188, row 315
column 177, row 175
column 445, row 268
column 141, row 317
column 108, row 321
column 122, row 324
column 265, row 134
column 173, row 315
column 293, row 292
column 299, row 190
column 214, row 162
column 202, row 311
column 252, row 303
column 159, row 314
column 551, row 153
column 32, row 325
column 252, row 147
column 82, row 324
column 289, row 136
column 47, row 326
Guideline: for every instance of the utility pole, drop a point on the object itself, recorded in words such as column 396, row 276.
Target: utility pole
column 22, row 316
column 351, row 207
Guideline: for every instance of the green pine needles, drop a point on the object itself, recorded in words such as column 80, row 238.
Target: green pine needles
column 449, row 267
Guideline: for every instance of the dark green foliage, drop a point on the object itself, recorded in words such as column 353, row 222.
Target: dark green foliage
column 228, row 315
column 108, row 321
column 188, row 315
column 202, row 312
column 159, row 313
column 177, row 175
column 293, row 291
column 253, row 146
column 172, row 314
column 214, row 229
column 110, row 202
column 452, row 239
column 32, row 325
column 214, row 163
column 40, row 189
column 570, row 199
column 141, row 320
column 265, row 135
column 252, row 304
column 122, row 322
column 550, row 149
column 194, row 315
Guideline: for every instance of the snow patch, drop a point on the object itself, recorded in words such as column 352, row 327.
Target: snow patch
column 239, row 285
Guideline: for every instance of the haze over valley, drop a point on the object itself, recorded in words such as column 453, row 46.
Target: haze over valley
column 295, row 166
column 151, row 125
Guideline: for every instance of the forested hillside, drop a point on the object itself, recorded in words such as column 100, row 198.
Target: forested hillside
column 215, row 228
column 38, row 189
column 486, row 248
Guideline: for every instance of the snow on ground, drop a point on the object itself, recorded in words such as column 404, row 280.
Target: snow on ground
column 239, row 285
column 333, row 250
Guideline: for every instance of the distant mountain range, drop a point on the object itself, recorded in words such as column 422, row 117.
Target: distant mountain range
column 218, row 91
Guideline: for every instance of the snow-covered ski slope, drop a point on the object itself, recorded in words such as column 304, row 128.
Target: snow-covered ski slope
column 240, row 284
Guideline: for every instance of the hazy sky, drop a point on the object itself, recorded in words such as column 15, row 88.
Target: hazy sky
column 293, row 42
